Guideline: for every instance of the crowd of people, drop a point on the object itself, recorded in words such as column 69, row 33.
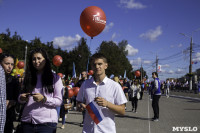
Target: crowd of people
column 38, row 101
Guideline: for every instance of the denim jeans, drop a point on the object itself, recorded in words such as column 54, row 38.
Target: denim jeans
column 39, row 128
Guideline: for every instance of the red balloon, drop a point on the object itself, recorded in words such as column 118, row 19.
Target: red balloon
column 70, row 93
column 60, row 74
column 57, row 60
column 76, row 90
column 1, row 51
column 91, row 72
column 92, row 20
column 69, row 87
column 137, row 73
column 20, row 64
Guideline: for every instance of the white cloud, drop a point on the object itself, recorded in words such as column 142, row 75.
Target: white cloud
column 113, row 36
column 180, row 45
column 151, row 34
column 131, row 4
column 131, row 50
column 170, row 72
column 197, row 54
column 180, row 71
column 197, row 57
column 136, row 61
column 66, row 42
column 165, row 66
column 147, row 62
column 108, row 27
column 171, row 46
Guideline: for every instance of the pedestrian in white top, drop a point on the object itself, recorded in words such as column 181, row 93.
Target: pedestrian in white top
column 167, row 89
column 135, row 93
column 106, row 93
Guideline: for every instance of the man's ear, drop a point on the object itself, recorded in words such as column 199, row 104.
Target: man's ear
column 106, row 65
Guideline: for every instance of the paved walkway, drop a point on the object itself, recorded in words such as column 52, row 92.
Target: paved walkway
column 175, row 111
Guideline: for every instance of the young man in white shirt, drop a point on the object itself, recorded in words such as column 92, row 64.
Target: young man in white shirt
column 106, row 93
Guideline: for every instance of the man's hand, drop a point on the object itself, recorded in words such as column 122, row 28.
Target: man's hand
column 101, row 101
column 81, row 107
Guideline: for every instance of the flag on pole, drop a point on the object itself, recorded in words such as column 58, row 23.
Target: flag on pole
column 74, row 71
column 125, row 74
column 87, row 65
column 95, row 112
column 159, row 68
column 80, row 76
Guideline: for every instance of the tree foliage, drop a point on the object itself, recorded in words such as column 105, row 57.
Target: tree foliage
column 116, row 54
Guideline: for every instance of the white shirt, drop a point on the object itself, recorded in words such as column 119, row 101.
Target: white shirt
column 110, row 91
column 135, row 89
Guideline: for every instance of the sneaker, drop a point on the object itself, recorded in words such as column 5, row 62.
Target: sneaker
column 135, row 111
column 63, row 126
column 81, row 124
column 155, row 120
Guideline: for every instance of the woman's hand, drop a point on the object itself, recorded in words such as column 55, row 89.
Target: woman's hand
column 24, row 97
column 10, row 103
column 38, row 97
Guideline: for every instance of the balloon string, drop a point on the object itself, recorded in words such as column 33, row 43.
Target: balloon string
column 90, row 44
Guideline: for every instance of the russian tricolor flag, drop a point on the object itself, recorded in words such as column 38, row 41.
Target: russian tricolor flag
column 95, row 112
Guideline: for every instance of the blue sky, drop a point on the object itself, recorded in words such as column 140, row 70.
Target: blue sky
column 151, row 28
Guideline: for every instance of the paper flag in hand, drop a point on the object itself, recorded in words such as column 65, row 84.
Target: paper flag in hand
column 95, row 112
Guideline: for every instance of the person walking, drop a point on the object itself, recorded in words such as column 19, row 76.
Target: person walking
column 167, row 88
column 126, row 86
column 12, row 91
column 142, row 89
column 135, row 93
column 42, row 94
column 63, row 111
column 2, row 99
column 78, row 84
column 156, row 93
column 106, row 94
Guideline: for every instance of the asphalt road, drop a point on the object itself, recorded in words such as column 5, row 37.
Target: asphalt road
column 178, row 113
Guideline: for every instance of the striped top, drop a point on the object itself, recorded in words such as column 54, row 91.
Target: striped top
column 2, row 99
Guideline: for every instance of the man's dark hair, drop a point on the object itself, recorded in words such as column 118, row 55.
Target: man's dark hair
column 5, row 55
column 98, row 56
column 155, row 73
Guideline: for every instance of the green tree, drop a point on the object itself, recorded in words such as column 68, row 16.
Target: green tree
column 117, row 60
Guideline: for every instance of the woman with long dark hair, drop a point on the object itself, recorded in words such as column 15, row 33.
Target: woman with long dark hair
column 135, row 89
column 12, row 91
column 42, row 94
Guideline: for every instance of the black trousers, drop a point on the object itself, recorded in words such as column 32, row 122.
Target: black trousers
column 134, row 102
column 155, row 106
column 141, row 95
